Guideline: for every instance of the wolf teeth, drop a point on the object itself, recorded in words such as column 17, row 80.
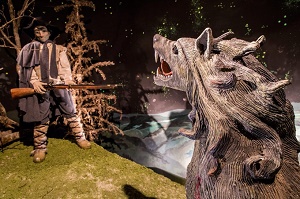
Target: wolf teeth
column 156, row 56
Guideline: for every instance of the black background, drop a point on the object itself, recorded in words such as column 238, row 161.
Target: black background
column 129, row 26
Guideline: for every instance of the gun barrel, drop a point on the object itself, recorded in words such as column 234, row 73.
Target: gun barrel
column 17, row 93
column 83, row 86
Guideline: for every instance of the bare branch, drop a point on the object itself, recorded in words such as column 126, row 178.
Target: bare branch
column 13, row 22
column 7, row 39
column 9, row 22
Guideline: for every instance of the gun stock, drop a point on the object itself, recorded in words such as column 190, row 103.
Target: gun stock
column 17, row 93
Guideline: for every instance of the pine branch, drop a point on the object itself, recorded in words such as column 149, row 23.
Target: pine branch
column 96, row 65
column 115, row 129
column 94, row 107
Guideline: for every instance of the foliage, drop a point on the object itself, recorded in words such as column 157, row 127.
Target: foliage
column 292, row 3
column 197, row 13
column 70, row 172
column 167, row 27
column 94, row 107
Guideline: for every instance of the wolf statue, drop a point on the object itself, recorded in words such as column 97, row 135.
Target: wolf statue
column 243, row 125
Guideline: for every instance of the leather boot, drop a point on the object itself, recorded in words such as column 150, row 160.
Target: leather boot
column 82, row 142
column 40, row 143
column 75, row 125
column 39, row 155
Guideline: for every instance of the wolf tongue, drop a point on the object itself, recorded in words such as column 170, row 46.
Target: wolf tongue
column 166, row 74
column 165, row 68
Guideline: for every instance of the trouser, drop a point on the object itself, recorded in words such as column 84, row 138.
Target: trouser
column 62, row 104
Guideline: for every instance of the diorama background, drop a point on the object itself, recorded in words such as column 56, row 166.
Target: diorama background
column 152, row 115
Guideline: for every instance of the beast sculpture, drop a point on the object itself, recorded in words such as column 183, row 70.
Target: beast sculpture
column 243, row 125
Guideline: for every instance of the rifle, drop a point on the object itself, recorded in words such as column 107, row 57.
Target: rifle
column 17, row 93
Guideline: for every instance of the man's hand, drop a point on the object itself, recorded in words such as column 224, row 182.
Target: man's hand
column 38, row 87
column 55, row 81
column 70, row 82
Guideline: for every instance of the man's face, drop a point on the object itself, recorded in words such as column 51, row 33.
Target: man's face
column 41, row 33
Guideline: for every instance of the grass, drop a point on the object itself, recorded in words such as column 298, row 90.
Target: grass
column 70, row 172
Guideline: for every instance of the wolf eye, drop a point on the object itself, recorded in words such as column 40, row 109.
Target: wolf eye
column 175, row 50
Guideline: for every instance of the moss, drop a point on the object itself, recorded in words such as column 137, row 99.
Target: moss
column 70, row 172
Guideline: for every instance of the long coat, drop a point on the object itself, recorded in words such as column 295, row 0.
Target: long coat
column 32, row 108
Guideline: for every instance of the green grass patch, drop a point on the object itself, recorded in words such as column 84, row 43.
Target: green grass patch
column 70, row 172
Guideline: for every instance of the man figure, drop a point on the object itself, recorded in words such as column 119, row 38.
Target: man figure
column 42, row 62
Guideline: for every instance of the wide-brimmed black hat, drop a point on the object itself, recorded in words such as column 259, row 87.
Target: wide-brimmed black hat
column 29, row 29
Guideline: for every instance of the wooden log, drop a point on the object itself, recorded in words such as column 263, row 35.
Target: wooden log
column 8, row 136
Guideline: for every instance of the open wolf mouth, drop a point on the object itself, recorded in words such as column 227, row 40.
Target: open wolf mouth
column 163, row 72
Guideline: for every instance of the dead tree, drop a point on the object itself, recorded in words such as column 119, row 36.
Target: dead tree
column 243, row 125
column 94, row 107
column 10, row 21
column 10, row 24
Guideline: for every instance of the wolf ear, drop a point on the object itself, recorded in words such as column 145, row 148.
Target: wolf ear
column 204, row 43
